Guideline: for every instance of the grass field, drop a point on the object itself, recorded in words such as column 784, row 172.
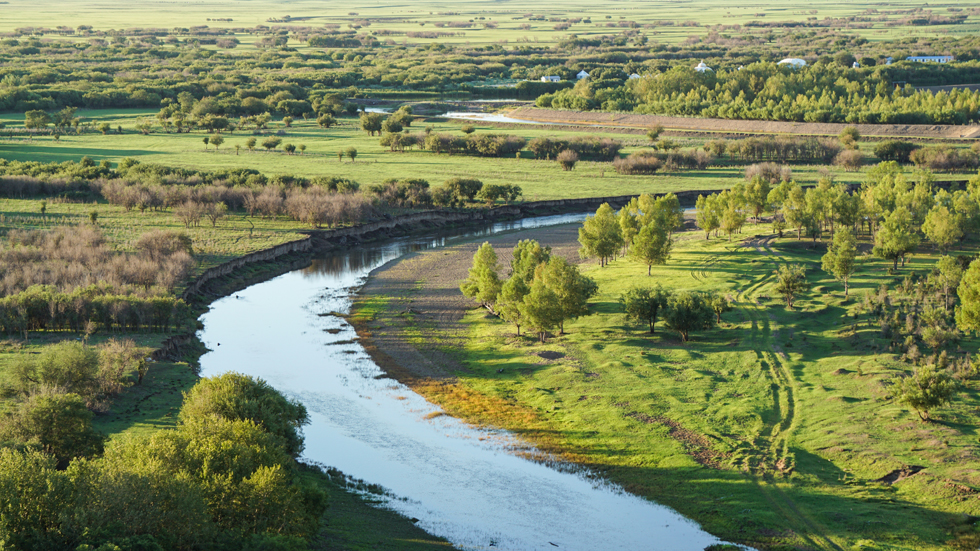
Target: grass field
column 540, row 179
column 425, row 16
column 772, row 429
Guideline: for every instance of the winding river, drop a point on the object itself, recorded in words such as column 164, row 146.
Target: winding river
column 460, row 482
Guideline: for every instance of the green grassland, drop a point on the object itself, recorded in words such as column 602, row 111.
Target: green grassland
column 539, row 179
column 771, row 429
column 424, row 16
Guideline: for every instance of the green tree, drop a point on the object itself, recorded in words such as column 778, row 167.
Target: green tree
column 541, row 309
column 968, row 312
column 351, row 153
column 707, row 215
column 652, row 245
column 326, row 120
column 58, row 424
column 206, row 140
column 791, row 281
column 949, row 273
column 943, row 227
column 371, row 122
column 928, row 387
column 841, row 255
column 600, row 235
column 483, row 283
column 757, row 196
column 238, row 397
column 896, row 237
column 719, row 304
column 641, row 305
column 849, row 137
column 572, row 289
column 688, row 311
column 67, row 367
column 217, row 140
column 250, row 143
column 629, row 223
column 36, row 119
column 510, row 302
column 653, row 133
column 528, row 254
column 271, row 143
column 289, row 148
column 391, row 126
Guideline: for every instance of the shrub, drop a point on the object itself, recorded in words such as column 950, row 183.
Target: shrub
column 849, row 159
column 567, row 159
column 894, row 150
column 770, row 172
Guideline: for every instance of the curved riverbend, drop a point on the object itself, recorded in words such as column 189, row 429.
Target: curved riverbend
column 462, row 483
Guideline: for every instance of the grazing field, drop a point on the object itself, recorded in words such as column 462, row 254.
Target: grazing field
column 775, row 429
column 672, row 22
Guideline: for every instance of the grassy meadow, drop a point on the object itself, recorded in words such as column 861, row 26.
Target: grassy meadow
column 773, row 429
column 512, row 23
column 539, row 179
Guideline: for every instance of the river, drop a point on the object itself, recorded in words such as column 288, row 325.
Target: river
column 462, row 483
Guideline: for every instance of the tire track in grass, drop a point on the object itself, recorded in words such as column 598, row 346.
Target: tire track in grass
column 773, row 442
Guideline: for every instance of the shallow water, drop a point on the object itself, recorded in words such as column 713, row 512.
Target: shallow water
column 462, row 483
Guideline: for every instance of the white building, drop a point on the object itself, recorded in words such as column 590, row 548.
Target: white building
column 930, row 58
column 634, row 76
column 701, row 67
column 581, row 75
column 551, row 79
column 793, row 62
column 855, row 65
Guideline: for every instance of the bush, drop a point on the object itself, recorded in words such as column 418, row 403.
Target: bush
column 849, row 159
column 770, row 172
column 944, row 158
column 567, row 159
column 894, row 150
column 641, row 162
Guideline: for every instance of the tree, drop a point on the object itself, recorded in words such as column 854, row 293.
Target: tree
column 943, row 227
column 289, row 148
column 572, row 289
column 790, row 281
column 950, row 272
column 326, row 120
column 302, row 148
column 371, row 122
column 217, row 140
column 896, row 237
column 641, row 305
column 510, row 302
column 688, row 311
column 287, row 121
column 654, row 132
column 250, row 143
column 483, row 283
column 652, row 245
column 707, row 216
column 719, row 304
column 271, row 143
column 757, row 195
column 237, row 397
column 351, row 153
column 67, row 367
column 540, row 308
column 467, row 129
column 36, row 119
column 104, row 128
column 927, row 388
column 840, row 258
column 527, row 256
column 464, row 189
column 391, row 126
column 849, row 136
column 206, row 140
column 58, row 424
column 629, row 223
column 600, row 235
column 968, row 313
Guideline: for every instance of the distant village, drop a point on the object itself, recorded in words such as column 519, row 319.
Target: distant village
column 794, row 62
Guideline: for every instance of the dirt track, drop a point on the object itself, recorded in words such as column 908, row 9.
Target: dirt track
column 582, row 118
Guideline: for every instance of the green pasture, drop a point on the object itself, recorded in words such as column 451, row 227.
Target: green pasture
column 540, row 179
column 510, row 18
column 793, row 405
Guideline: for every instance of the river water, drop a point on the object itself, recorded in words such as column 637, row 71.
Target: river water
column 462, row 483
